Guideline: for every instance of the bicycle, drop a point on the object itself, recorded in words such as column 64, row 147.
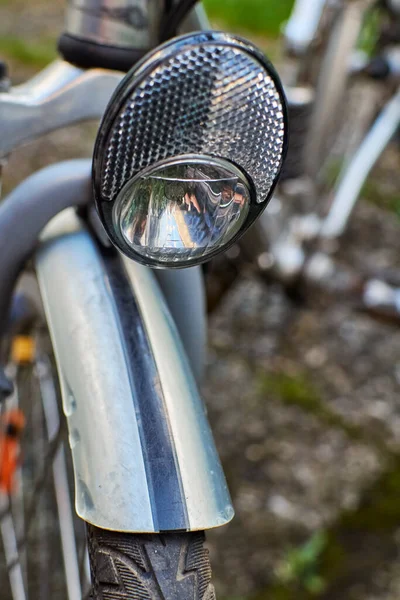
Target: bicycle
column 332, row 150
column 187, row 156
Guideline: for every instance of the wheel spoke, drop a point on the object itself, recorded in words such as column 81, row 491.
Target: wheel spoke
column 65, row 518
column 37, row 519
column 11, row 551
column 84, row 568
column 37, row 491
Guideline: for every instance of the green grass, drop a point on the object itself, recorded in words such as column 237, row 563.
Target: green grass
column 371, row 30
column 350, row 552
column 373, row 192
column 301, row 565
column 291, row 389
column 262, row 17
column 298, row 390
column 33, row 53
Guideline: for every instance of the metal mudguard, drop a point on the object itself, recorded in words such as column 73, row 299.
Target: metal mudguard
column 143, row 453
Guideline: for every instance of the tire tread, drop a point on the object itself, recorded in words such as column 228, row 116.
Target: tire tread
column 170, row 566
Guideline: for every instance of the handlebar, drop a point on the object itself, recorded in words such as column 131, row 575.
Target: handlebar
column 64, row 94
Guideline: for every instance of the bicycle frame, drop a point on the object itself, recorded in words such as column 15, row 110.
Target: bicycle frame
column 356, row 172
column 291, row 259
column 302, row 26
column 143, row 454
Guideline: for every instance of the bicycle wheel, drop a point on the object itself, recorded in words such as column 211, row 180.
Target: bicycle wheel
column 43, row 547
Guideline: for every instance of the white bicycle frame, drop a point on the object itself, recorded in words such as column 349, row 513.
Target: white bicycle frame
column 301, row 32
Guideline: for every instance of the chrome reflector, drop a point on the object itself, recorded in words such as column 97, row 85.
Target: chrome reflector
column 208, row 95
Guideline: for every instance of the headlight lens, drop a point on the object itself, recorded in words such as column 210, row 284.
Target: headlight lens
column 182, row 211
column 189, row 149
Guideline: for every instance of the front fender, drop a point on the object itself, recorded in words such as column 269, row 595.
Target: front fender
column 143, row 453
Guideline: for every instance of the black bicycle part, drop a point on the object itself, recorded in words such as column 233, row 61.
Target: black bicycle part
column 174, row 18
column 161, row 566
column 87, row 54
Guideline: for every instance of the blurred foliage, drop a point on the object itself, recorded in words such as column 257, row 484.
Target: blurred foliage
column 296, row 389
column 370, row 30
column 292, row 389
column 347, row 552
column 262, row 17
column 30, row 53
column 364, row 537
column 300, row 567
column 373, row 192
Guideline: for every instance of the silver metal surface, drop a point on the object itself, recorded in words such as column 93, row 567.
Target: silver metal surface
column 125, row 23
column 143, row 454
column 185, row 295
column 204, row 488
column 208, row 94
column 196, row 20
column 29, row 207
column 118, row 23
column 348, row 189
column 395, row 6
column 111, row 489
column 182, row 209
column 63, row 94
column 302, row 27
column 59, row 96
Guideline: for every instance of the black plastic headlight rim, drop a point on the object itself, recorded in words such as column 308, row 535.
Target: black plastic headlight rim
column 138, row 73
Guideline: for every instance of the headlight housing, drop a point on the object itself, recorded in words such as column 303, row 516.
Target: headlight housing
column 189, row 150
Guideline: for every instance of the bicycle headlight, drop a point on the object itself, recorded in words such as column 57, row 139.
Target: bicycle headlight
column 189, row 150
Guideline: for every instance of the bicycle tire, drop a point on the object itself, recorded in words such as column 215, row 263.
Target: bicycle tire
column 167, row 566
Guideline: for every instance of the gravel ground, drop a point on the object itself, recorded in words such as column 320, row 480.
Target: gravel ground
column 304, row 402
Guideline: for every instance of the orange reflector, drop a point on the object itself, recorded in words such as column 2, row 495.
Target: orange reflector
column 23, row 349
column 12, row 424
